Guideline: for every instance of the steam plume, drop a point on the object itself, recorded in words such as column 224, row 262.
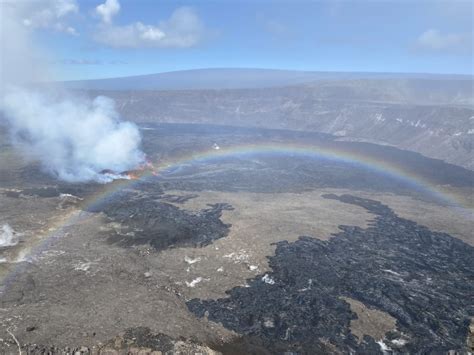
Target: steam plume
column 75, row 138
column 7, row 236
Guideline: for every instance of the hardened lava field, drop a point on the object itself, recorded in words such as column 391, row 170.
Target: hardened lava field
column 255, row 253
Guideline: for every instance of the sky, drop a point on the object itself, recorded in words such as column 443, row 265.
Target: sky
column 112, row 38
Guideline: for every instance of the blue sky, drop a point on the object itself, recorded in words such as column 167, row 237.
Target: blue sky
column 96, row 39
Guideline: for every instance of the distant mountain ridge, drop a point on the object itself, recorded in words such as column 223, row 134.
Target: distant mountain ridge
column 239, row 78
column 427, row 113
column 427, row 117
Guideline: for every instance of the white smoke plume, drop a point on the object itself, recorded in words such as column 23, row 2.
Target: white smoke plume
column 7, row 236
column 75, row 138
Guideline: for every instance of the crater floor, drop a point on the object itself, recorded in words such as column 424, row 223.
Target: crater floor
column 247, row 254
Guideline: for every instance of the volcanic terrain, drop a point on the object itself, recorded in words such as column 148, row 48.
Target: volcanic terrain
column 225, row 245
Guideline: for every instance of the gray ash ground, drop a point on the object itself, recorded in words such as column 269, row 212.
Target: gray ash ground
column 424, row 279
column 138, row 340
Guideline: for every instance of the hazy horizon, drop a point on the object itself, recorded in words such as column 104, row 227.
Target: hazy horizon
column 466, row 75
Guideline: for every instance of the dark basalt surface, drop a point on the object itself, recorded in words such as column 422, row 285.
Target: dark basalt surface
column 147, row 219
column 257, row 172
column 281, row 173
column 422, row 278
column 289, row 172
column 169, row 138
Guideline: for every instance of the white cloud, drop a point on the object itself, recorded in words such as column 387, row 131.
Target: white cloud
column 49, row 14
column 433, row 39
column 183, row 29
column 107, row 10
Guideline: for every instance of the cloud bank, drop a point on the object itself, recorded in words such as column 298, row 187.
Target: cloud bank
column 183, row 29
column 108, row 10
column 49, row 14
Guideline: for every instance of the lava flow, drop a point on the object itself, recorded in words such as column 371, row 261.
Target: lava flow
column 133, row 174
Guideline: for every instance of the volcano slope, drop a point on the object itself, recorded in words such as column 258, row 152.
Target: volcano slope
column 255, row 253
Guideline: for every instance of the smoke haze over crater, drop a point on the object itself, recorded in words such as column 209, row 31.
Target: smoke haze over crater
column 73, row 138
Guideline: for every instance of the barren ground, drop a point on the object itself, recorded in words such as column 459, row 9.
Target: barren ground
column 101, row 277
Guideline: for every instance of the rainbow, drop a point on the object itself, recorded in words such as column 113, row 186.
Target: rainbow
column 331, row 153
column 374, row 164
